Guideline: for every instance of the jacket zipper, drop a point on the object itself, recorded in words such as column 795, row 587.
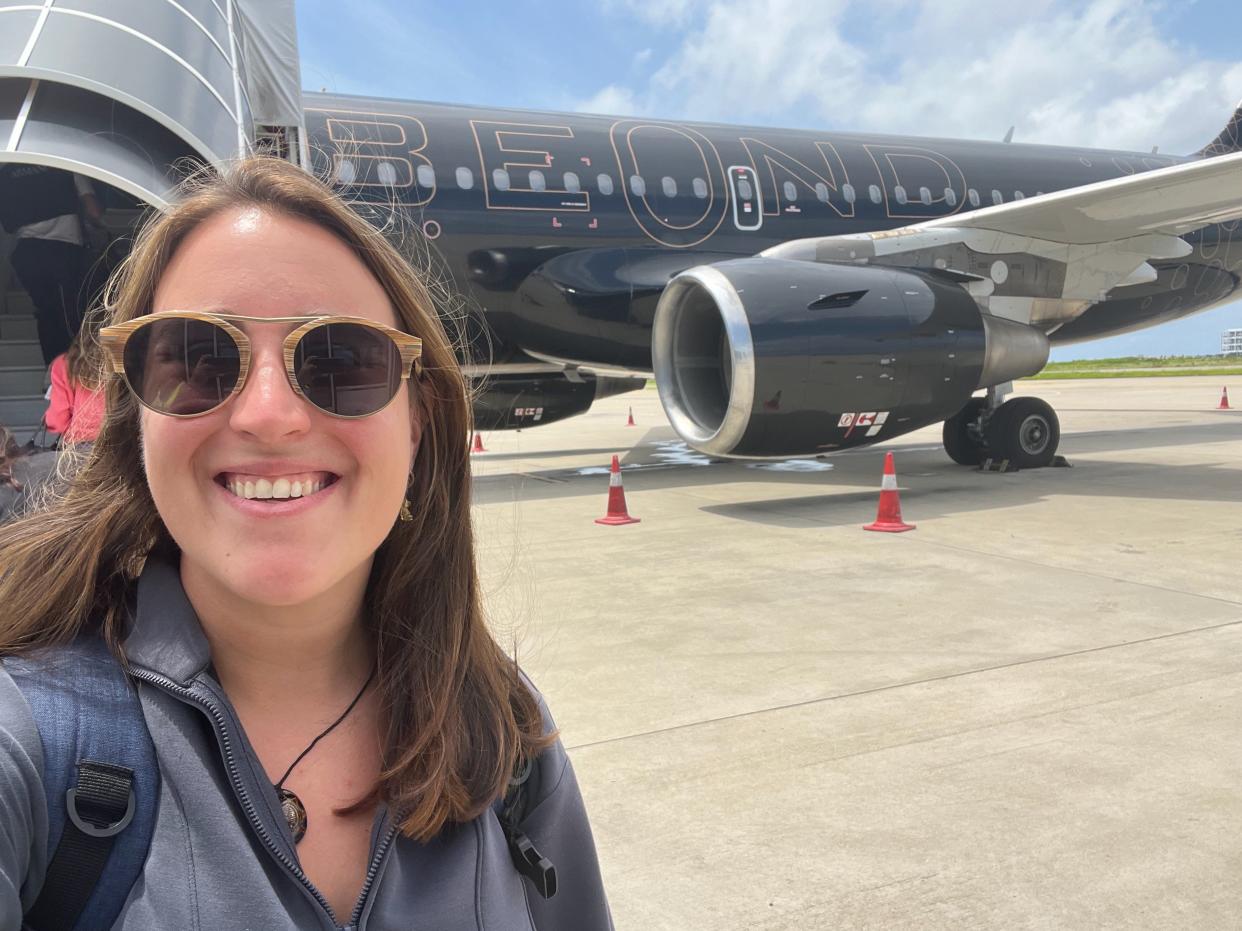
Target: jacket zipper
column 251, row 813
column 372, row 872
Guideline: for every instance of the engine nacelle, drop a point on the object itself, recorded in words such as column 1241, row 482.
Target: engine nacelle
column 511, row 402
column 763, row 357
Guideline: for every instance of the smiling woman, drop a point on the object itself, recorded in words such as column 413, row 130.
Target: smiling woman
column 273, row 532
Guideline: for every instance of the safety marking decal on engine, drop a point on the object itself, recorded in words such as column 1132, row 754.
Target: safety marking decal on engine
column 872, row 420
column 535, row 412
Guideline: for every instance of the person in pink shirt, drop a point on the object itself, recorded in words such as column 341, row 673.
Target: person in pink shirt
column 76, row 402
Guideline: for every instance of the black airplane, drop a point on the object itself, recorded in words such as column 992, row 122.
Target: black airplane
column 793, row 292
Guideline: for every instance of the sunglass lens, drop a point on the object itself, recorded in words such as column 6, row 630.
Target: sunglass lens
column 347, row 369
column 182, row 366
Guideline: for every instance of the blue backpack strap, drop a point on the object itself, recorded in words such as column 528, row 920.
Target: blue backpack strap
column 101, row 780
column 511, row 810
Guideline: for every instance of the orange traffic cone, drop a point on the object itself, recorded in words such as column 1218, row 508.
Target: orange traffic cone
column 617, row 514
column 888, row 517
column 1224, row 399
column 630, row 422
column 478, row 445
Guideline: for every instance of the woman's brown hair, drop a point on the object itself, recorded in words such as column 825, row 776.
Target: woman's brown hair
column 458, row 717
column 81, row 367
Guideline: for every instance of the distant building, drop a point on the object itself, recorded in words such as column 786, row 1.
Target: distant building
column 1231, row 342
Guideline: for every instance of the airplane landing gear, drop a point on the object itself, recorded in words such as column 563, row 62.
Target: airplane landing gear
column 963, row 436
column 1024, row 431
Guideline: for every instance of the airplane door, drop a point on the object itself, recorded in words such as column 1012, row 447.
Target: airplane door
column 747, row 205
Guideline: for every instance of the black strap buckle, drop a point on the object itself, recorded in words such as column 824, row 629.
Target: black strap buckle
column 101, row 787
column 532, row 864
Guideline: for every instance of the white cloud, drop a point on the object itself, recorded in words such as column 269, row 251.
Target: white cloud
column 612, row 100
column 660, row 13
column 1100, row 74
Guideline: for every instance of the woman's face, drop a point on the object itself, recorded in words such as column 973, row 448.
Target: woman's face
column 276, row 551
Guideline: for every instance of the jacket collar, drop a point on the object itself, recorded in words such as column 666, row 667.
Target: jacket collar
column 165, row 635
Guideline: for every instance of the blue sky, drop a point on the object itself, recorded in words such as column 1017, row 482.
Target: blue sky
column 1108, row 73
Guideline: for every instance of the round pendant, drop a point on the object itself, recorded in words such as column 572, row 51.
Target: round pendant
column 295, row 813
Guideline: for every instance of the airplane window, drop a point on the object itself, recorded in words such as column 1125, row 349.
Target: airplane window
column 950, row 197
column 537, row 181
column 669, row 186
column 973, row 196
column 345, row 171
column 638, row 186
column 925, row 196
column 900, row 193
column 500, row 178
column 846, row 189
column 1018, row 195
column 821, row 192
column 874, row 192
column 604, row 182
column 996, row 197
column 426, row 177
column 465, row 178
column 571, row 183
column 744, row 190
column 387, row 173
column 700, row 188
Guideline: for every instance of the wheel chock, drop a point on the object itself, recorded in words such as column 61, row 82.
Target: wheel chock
column 1001, row 466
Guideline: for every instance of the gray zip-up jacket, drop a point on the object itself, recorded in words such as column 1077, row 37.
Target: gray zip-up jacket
column 222, row 857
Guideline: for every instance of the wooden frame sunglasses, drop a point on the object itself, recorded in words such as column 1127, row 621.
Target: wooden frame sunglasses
column 116, row 338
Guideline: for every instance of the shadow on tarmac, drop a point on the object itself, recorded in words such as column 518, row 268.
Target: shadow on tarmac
column 605, row 452
column 931, row 485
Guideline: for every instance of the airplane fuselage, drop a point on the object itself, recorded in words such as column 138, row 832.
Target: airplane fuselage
column 620, row 204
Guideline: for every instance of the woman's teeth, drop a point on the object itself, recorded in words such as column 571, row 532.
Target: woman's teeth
column 295, row 487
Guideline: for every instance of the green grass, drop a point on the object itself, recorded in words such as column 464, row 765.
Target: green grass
column 1137, row 373
column 1149, row 362
column 1144, row 366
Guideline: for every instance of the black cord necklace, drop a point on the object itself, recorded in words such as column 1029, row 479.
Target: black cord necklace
column 290, row 805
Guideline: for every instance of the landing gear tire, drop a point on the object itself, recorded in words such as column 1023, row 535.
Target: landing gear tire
column 1025, row 431
column 962, row 440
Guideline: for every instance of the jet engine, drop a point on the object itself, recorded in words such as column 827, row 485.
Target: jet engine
column 762, row 357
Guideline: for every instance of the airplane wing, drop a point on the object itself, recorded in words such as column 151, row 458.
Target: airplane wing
column 1044, row 259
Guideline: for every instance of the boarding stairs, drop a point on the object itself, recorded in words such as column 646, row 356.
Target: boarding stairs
column 23, row 376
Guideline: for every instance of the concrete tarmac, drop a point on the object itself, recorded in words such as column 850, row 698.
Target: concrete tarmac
column 1023, row 714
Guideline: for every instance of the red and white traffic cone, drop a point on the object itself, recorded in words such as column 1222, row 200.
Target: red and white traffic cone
column 478, row 445
column 1224, row 399
column 888, row 517
column 617, row 514
column 630, row 422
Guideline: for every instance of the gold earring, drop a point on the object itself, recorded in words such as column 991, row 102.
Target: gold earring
column 406, row 514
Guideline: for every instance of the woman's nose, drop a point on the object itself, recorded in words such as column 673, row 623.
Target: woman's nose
column 267, row 406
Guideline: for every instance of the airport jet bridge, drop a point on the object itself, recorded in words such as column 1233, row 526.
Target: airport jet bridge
column 132, row 93
column 120, row 91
